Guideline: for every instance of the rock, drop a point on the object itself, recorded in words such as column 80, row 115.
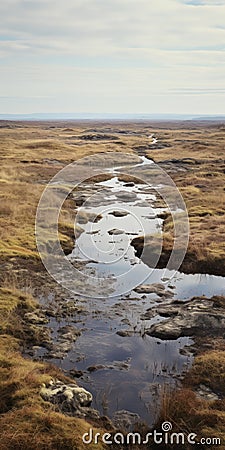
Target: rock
column 150, row 288
column 119, row 213
column 115, row 232
column 75, row 373
column 196, row 317
column 125, row 420
column 95, row 368
column 70, row 308
column 155, row 288
column 84, row 217
column 35, row 318
column 69, row 333
column 168, row 310
column 67, row 336
column 120, row 365
column 126, row 196
column 206, row 393
column 125, row 333
column 70, row 398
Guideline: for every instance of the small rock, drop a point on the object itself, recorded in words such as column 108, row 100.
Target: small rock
column 119, row 213
column 70, row 398
column 95, row 368
column 126, row 196
column 125, row 333
column 115, row 232
column 155, row 288
column 125, row 420
column 206, row 393
column 35, row 318
column 69, row 333
column 75, row 373
column 196, row 317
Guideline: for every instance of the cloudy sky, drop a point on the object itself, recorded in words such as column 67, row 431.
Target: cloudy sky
column 125, row 56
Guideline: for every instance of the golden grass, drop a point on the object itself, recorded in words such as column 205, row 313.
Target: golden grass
column 209, row 369
column 34, row 428
column 26, row 420
column 31, row 154
column 189, row 414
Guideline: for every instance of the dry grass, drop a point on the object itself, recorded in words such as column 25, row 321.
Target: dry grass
column 34, row 428
column 202, row 186
column 189, row 414
column 26, row 420
column 209, row 369
column 31, row 154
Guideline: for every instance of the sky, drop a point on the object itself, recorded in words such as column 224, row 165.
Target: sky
column 112, row 56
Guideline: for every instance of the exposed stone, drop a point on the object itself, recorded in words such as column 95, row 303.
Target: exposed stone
column 75, row 373
column 206, row 393
column 126, row 196
column 125, row 333
column 155, row 288
column 70, row 398
column 118, row 365
column 84, row 218
column 119, row 213
column 196, row 317
column 69, row 333
column 36, row 318
column 96, row 367
column 125, row 420
column 67, row 336
column 115, row 232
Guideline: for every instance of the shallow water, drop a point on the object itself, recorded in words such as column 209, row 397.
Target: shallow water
column 133, row 369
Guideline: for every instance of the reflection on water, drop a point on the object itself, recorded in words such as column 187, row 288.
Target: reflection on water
column 126, row 372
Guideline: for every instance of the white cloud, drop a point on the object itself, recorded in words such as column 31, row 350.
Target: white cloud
column 114, row 48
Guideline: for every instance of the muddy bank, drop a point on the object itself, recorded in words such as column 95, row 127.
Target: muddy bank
column 191, row 264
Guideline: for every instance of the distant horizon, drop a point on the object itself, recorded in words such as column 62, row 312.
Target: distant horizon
column 104, row 116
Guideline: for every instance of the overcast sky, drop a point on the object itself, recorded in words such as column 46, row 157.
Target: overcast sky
column 125, row 56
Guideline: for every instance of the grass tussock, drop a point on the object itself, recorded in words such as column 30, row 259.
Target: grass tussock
column 209, row 369
column 189, row 414
column 34, row 428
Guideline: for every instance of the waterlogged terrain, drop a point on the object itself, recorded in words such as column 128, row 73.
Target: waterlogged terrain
column 112, row 353
column 127, row 333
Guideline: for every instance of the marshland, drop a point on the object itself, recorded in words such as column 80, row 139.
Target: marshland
column 152, row 344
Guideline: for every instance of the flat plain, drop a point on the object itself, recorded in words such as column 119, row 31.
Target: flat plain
column 31, row 153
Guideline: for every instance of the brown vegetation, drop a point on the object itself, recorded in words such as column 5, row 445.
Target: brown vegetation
column 26, row 420
column 31, row 154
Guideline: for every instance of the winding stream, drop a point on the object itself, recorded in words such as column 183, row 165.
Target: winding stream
column 125, row 370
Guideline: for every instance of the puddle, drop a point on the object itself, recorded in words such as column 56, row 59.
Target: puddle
column 125, row 372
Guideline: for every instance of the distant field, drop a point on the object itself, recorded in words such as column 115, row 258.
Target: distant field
column 31, row 153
